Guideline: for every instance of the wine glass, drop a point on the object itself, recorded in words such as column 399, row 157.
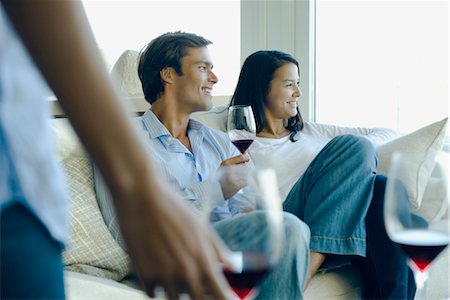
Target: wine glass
column 420, row 239
column 254, row 237
column 241, row 126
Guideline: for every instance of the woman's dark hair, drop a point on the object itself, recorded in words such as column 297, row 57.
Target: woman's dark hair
column 254, row 83
column 167, row 50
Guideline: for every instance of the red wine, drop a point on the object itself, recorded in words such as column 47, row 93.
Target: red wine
column 242, row 145
column 421, row 246
column 256, row 267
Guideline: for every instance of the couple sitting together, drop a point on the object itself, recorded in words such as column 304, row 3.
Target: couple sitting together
column 332, row 196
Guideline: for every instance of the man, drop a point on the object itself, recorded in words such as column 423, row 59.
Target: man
column 176, row 74
column 167, row 244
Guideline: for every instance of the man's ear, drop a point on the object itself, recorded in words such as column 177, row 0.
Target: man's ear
column 167, row 74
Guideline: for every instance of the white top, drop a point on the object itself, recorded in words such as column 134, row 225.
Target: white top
column 289, row 159
column 29, row 172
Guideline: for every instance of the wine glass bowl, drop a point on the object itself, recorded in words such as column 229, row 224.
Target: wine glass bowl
column 241, row 126
column 254, row 237
column 420, row 239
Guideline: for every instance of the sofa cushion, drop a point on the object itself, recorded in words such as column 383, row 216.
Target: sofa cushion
column 215, row 118
column 92, row 249
column 422, row 146
column 82, row 286
column 435, row 199
column 124, row 73
column 336, row 284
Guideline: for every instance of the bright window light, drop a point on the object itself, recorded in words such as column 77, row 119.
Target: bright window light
column 382, row 63
column 122, row 25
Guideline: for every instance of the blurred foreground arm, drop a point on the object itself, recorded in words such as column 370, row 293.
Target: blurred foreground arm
column 167, row 245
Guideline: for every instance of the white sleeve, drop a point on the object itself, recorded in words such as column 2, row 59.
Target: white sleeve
column 378, row 136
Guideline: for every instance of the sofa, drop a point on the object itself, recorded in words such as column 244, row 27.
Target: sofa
column 96, row 267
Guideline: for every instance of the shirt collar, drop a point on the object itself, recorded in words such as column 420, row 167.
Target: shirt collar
column 153, row 125
column 156, row 129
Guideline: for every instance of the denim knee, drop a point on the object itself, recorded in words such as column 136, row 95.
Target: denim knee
column 361, row 149
column 288, row 278
column 296, row 231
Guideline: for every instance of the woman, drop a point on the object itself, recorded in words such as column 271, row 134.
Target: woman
column 327, row 183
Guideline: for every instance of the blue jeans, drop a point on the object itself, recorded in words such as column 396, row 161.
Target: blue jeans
column 384, row 270
column 31, row 265
column 341, row 199
column 334, row 194
column 247, row 231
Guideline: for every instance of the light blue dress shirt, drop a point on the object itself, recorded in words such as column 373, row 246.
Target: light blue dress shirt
column 29, row 172
column 193, row 173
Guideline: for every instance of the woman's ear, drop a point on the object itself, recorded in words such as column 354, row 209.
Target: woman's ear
column 166, row 74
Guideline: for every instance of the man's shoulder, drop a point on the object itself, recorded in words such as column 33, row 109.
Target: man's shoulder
column 217, row 139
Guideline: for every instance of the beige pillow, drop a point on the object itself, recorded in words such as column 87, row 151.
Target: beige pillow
column 215, row 118
column 92, row 249
column 125, row 74
column 67, row 142
column 422, row 145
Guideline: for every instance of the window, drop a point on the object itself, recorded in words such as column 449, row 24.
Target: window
column 382, row 63
column 122, row 25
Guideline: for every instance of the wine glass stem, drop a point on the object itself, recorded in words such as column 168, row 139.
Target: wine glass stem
column 420, row 279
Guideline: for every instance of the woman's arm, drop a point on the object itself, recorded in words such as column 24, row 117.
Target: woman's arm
column 377, row 135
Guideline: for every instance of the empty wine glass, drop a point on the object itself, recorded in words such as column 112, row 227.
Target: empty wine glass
column 254, row 237
column 241, row 126
column 421, row 240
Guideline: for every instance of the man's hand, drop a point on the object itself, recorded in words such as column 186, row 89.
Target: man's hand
column 233, row 175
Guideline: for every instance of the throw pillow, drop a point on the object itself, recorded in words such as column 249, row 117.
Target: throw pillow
column 124, row 72
column 422, row 146
column 106, row 206
column 215, row 118
column 91, row 250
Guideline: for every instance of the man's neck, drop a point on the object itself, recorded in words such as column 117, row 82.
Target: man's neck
column 172, row 117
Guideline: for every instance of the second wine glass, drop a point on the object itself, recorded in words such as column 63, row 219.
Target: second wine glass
column 241, row 126
column 421, row 240
column 255, row 237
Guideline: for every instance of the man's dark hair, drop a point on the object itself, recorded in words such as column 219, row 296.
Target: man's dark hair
column 167, row 50
column 254, row 83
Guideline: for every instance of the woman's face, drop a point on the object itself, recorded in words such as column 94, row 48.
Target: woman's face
column 284, row 92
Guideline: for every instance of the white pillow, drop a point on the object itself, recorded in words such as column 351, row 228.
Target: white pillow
column 92, row 249
column 422, row 145
column 215, row 118
column 126, row 76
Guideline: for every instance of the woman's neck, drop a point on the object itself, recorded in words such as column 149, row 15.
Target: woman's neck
column 274, row 129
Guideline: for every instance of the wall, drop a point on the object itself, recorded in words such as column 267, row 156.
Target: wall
column 286, row 26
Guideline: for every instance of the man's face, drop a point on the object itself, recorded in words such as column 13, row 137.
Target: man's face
column 194, row 87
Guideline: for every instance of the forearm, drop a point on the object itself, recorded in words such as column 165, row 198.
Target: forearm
column 90, row 101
